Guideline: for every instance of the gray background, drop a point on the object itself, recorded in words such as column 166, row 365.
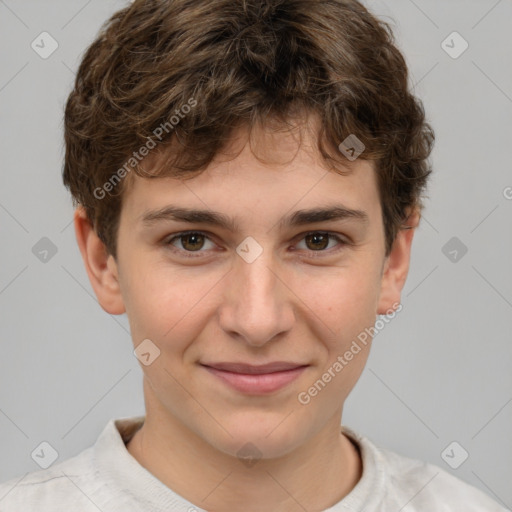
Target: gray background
column 438, row 373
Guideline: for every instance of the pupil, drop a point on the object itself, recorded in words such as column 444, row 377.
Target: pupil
column 319, row 237
column 195, row 245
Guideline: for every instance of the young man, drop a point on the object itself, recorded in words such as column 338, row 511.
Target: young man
column 247, row 176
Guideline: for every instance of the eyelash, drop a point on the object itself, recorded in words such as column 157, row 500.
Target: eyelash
column 195, row 254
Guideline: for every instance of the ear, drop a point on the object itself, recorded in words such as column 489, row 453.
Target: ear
column 101, row 266
column 396, row 266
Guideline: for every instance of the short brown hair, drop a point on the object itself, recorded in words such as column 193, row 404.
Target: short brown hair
column 240, row 62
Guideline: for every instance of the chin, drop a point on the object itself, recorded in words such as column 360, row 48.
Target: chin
column 264, row 436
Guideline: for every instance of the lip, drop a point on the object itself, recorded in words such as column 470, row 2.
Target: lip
column 275, row 366
column 256, row 380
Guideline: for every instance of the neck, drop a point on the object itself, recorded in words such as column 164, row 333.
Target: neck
column 313, row 476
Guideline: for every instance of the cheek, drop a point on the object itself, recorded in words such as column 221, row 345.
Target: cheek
column 167, row 307
column 344, row 299
column 345, row 307
column 167, row 310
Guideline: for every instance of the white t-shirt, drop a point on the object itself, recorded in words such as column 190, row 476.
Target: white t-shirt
column 106, row 478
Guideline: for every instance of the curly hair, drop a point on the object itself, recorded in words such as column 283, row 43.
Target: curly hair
column 186, row 73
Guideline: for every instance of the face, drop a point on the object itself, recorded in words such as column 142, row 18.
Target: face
column 256, row 289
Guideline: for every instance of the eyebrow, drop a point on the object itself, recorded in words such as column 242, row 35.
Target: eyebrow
column 298, row 218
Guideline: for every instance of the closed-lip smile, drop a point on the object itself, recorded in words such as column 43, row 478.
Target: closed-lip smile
column 256, row 379
column 276, row 366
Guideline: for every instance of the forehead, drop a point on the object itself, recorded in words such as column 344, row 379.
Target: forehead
column 260, row 172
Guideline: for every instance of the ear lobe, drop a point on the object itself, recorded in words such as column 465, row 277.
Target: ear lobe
column 101, row 266
column 396, row 266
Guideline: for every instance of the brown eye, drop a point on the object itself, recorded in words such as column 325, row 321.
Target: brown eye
column 317, row 241
column 192, row 241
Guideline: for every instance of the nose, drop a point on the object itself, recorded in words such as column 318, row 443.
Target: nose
column 257, row 304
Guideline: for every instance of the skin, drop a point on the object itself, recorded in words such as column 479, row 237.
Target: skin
column 286, row 305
